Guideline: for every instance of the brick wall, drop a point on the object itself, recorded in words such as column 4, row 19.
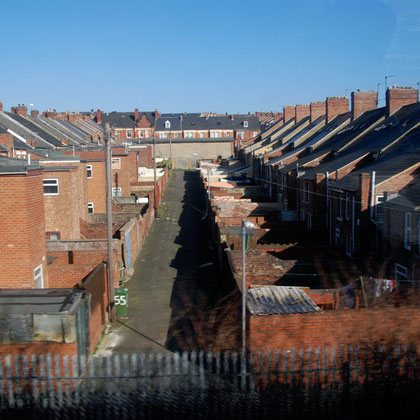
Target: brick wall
column 336, row 106
column 302, row 111
column 333, row 328
column 96, row 186
column 396, row 97
column 289, row 113
column 62, row 211
column 22, row 226
column 317, row 109
column 96, row 285
column 362, row 102
column 28, row 349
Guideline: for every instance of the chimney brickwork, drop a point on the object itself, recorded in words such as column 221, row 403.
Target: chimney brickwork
column 362, row 102
column 336, row 106
column 396, row 97
column 302, row 111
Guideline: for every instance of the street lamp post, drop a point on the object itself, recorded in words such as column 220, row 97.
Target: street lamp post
column 247, row 227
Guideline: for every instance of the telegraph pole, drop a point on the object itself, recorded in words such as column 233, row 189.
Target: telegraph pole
column 154, row 174
column 108, row 171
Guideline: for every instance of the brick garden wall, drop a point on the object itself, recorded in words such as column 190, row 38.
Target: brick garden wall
column 333, row 328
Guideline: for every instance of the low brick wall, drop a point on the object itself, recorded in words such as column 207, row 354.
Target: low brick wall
column 333, row 328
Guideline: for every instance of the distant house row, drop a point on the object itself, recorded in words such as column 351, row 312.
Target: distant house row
column 350, row 176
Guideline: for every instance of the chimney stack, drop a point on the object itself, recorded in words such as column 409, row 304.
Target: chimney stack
column 232, row 117
column 35, row 113
column 98, row 116
column 136, row 115
column 1, row 106
column 20, row 110
column 396, row 97
column 317, row 109
column 288, row 113
column 362, row 102
column 157, row 115
column 302, row 111
column 336, row 106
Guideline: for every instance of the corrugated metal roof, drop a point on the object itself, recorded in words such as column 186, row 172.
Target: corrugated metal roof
column 279, row 300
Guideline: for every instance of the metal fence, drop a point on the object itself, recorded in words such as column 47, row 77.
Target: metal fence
column 344, row 382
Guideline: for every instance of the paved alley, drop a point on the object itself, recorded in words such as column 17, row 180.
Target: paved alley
column 168, row 289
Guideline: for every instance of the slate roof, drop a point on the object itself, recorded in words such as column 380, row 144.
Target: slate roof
column 46, row 125
column 193, row 121
column 124, row 119
column 408, row 198
column 9, row 123
column 394, row 161
column 279, row 300
column 376, row 140
column 36, row 129
column 41, row 301
column 338, row 141
column 68, row 130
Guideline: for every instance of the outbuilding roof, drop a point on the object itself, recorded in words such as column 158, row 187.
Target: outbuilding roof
column 279, row 300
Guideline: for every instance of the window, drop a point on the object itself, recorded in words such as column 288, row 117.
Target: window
column 407, row 231
column 216, row 134
column 241, row 135
column 175, row 135
column 401, row 272
column 309, row 221
column 349, row 245
column 167, row 124
column 246, row 124
column 50, row 186
column 337, row 235
column 346, row 207
column 116, row 192
column 38, row 278
column 163, row 135
column 201, row 135
column 129, row 133
column 20, row 154
column 115, row 163
column 53, row 236
column 340, row 205
column 90, row 208
column 189, row 135
column 89, row 171
column 255, row 133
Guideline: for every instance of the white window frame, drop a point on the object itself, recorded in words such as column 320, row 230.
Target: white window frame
column 89, row 170
column 246, row 124
column 129, row 133
column 55, row 184
column 167, row 124
column 401, row 272
column 175, row 135
column 115, row 163
column 408, row 220
column 116, row 192
column 346, row 206
column 163, row 135
column 201, row 135
column 255, row 133
column 38, row 277
column 91, row 207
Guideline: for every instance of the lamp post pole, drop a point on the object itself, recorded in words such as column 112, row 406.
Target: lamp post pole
column 246, row 227
column 243, row 288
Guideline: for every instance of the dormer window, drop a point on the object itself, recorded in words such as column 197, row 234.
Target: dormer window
column 167, row 124
column 246, row 124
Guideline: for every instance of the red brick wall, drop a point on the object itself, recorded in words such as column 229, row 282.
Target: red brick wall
column 7, row 140
column 62, row 211
column 96, row 285
column 317, row 109
column 336, row 106
column 68, row 275
column 362, row 102
column 22, row 226
column 62, row 349
column 302, row 111
column 333, row 328
column 396, row 97
column 96, row 187
column 289, row 113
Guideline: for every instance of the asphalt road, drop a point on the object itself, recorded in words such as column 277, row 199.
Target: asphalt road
column 171, row 299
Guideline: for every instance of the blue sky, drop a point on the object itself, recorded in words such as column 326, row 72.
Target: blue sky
column 219, row 56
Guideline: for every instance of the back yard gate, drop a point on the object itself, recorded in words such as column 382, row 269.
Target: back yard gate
column 336, row 382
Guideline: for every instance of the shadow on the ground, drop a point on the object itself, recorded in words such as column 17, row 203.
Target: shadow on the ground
column 197, row 300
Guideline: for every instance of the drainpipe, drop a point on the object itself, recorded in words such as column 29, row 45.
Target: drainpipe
column 352, row 225
column 327, row 201
column 372, row 195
